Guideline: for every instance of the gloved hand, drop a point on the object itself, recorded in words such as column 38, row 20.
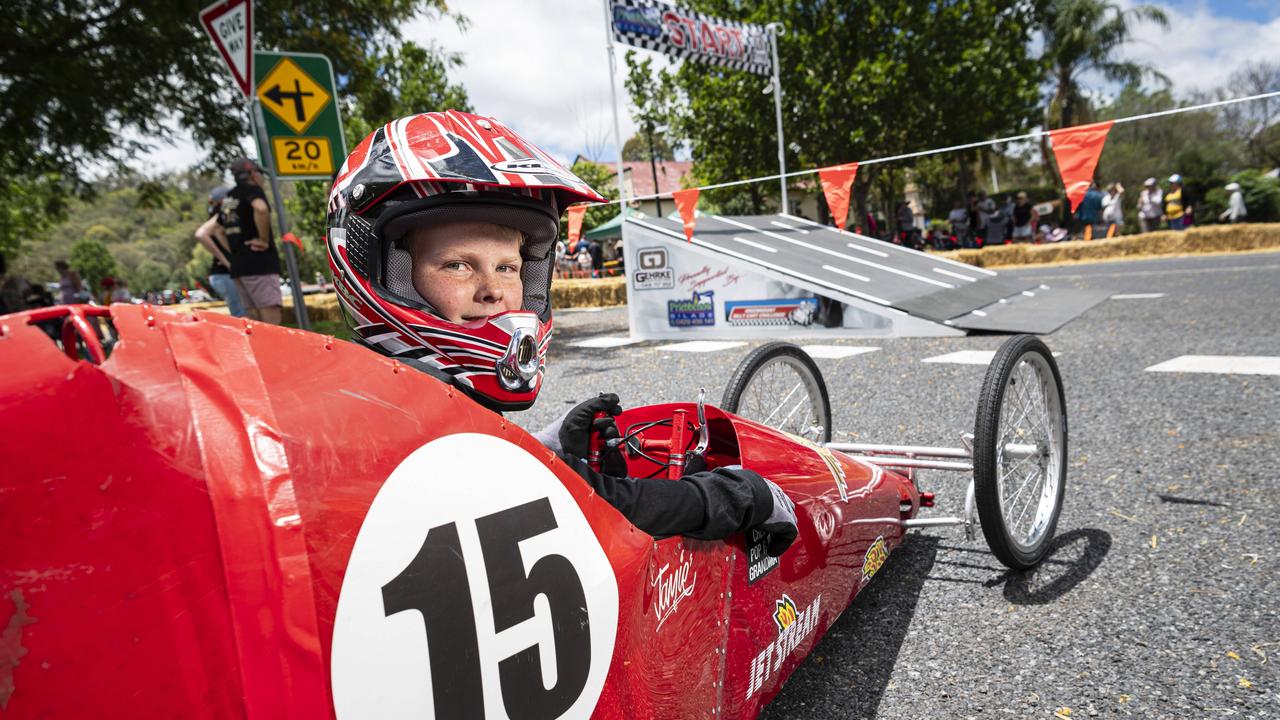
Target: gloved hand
column 570, row 434
column 781, row 524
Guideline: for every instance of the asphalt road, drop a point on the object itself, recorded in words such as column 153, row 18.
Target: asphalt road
column 1161, row 596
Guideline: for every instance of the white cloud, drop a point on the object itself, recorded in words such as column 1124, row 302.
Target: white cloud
column 1201, row 47
column 539, row 67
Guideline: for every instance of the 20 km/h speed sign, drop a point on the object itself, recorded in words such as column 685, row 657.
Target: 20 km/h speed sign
column 300, row 118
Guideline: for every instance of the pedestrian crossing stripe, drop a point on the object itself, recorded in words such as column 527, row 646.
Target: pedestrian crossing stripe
column 701, row 346
column 835, row 352
column 1220, row 364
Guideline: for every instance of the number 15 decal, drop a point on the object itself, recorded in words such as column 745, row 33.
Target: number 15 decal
column 510, row 614
column 451, row 629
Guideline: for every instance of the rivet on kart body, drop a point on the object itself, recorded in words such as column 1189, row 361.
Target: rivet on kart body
column 151, row 321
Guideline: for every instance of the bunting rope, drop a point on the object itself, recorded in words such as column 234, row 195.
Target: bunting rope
column 966, row 146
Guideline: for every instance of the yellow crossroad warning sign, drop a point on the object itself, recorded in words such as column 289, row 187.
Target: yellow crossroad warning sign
column 292, row 95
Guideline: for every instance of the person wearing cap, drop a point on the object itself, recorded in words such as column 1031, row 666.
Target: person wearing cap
column 1113, row 209
column 220, row 268
column 1150, row 206
column 1236, row 210
column 1174, row 211
column 244, row 223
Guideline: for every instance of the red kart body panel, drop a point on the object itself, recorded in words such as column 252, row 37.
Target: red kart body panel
column 228, row 519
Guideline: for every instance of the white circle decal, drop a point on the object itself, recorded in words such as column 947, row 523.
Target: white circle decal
column 476, row 589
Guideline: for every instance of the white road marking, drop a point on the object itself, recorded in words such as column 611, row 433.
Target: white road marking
column 964, row 357
column 1137, row 296
column 845, row 273
column 604, row 342
column 701, row 346
column 957, row 276
column 755, row 245
column 1221, row 364
column 788, row 227
column 835, row 352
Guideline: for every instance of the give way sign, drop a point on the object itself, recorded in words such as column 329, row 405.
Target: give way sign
column 230, row 26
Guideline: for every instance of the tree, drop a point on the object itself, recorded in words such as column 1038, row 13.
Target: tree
column 91, row 258
column 86, row 83
column 151, row 276
column 1083, row 36
column 1256, row 124
column 602, row 179
column 871, row 80
column 637, row 148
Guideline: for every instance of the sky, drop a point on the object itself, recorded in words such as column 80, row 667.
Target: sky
column 541, row 67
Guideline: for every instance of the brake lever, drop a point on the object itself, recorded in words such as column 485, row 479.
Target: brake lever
column 704, row 433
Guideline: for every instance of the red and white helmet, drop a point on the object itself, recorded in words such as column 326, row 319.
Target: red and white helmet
column 449, row 167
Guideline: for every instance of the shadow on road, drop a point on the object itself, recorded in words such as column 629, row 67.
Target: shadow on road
column 866, row 640
column 1073, row 556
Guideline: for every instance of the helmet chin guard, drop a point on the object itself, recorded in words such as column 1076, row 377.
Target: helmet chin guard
column 438, row 168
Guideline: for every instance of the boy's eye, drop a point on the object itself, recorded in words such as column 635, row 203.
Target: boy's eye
column 455, row 265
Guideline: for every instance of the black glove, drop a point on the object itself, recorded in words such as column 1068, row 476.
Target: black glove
column 578, row 424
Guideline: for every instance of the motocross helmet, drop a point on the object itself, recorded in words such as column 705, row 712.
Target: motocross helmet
column 445, row 167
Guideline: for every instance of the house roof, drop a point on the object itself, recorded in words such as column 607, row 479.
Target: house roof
column 670, row 173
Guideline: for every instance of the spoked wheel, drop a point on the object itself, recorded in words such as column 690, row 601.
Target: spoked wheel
column 1020, row 451
column 779, row 385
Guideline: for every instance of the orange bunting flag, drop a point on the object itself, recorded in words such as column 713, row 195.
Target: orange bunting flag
column 575, row 223
column 1077, row 150
column 291, row 238
column 687, row 204
column 836, row 181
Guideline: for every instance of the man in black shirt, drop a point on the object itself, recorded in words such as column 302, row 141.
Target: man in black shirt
column 245, row 223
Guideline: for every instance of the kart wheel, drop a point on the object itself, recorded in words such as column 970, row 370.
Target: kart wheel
column 779, row 385
column 1020, row 451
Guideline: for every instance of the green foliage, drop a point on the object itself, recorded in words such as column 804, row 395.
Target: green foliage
column 653, row 106
column 151, row 276
column 602, row 179
column 86, row 83
column 91, row 258
column 872, row 80
column 637, row 148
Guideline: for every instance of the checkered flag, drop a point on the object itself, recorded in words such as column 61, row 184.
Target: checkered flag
column 676, row 32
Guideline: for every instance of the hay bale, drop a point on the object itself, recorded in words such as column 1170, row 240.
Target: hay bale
column 601, row 292
column 1245, row 237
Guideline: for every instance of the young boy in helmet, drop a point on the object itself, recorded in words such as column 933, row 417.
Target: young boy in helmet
column 442, row 228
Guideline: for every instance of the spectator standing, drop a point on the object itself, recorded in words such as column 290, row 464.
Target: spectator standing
column 1236, row 210
column 121, row 294
column 977, row 218
column 1090, row 211
column 1025, row 219
column 1113, row 209
column 1175, row 210
column 70, row 286
column 959, row 219
column 245, row 223
column 997, row 222
column 597, row 258
column 216, row 243
column 1150, row 206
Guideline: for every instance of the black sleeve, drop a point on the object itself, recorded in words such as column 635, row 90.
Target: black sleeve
column 704, row 505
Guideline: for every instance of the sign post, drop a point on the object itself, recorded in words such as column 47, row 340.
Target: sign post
column 229, row 24
column 299, row 133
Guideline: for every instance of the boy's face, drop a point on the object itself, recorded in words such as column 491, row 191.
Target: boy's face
column 467, row 270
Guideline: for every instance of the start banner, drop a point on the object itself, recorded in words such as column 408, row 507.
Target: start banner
column 674, row 31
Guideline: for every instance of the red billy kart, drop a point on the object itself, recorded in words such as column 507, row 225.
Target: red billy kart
column 225, row 519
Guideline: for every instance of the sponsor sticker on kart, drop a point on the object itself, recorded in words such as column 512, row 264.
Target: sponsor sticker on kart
column 759, row 562
column 672, row 583
column 757, row 313
column 662, row 279
column 829, row 458
column 794, row 626
column 697, row 311
column 874, row 558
